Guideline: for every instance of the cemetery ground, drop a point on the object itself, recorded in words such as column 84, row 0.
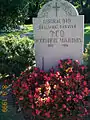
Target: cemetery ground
column 86, row 34
column 28, row 31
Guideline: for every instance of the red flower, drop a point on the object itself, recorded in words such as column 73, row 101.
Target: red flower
column 36, row 69
column 37, row 90
column 47, row 114
column 48, row 100
column 68, row 92
column 32, row 106
column 83, row 67
column 58, row 73
column 84, row 83
column 80, row 97
column 67, row 83
column 86, row 90
column 60, row 115
column 36, row 83
column 21, row 98
column 24, row 85
column 38, row 112
column 75, row 100
column 68, row 109
column 77, row 61
column 54, row 93
column 68, row 99
column 73, row 92
column 16, row 102
column 30, row 96
column 69, row 61
column 64, row 106
column 36, row 95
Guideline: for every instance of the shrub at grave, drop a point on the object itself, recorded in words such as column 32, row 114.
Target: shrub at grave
column 15, row 54
column 87, row 56
column 53, row 95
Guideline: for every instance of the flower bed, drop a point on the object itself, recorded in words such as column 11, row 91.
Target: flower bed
column 57, row 94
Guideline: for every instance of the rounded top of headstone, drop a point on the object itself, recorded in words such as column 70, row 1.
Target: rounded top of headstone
column 57, row 8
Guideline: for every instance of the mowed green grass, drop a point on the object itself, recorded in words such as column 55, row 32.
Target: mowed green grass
column 86, row 34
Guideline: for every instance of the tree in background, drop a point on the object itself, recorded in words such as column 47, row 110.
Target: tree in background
column 34, row 7
column 15, row 12
column 12, row 13
column 83, row 7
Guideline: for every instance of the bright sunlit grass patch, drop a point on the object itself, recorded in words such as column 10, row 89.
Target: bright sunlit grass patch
column 87, row 29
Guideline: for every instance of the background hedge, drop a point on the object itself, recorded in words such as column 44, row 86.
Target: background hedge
column 16, row 54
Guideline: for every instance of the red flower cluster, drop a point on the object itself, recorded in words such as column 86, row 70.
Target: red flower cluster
column 56, row 94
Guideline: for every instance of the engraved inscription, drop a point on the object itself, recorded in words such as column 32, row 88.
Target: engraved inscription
column 57, row 33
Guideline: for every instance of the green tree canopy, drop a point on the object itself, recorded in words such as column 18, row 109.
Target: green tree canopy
column 12, row 13
column 83, row 7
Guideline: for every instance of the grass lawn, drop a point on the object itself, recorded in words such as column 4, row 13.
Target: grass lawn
column 86, row 34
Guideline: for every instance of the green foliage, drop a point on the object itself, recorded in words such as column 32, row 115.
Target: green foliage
column 12, row 13
column 15, row 54
column 83, row 7
column 87, row 56
column 26, row 30
column 35, row 5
